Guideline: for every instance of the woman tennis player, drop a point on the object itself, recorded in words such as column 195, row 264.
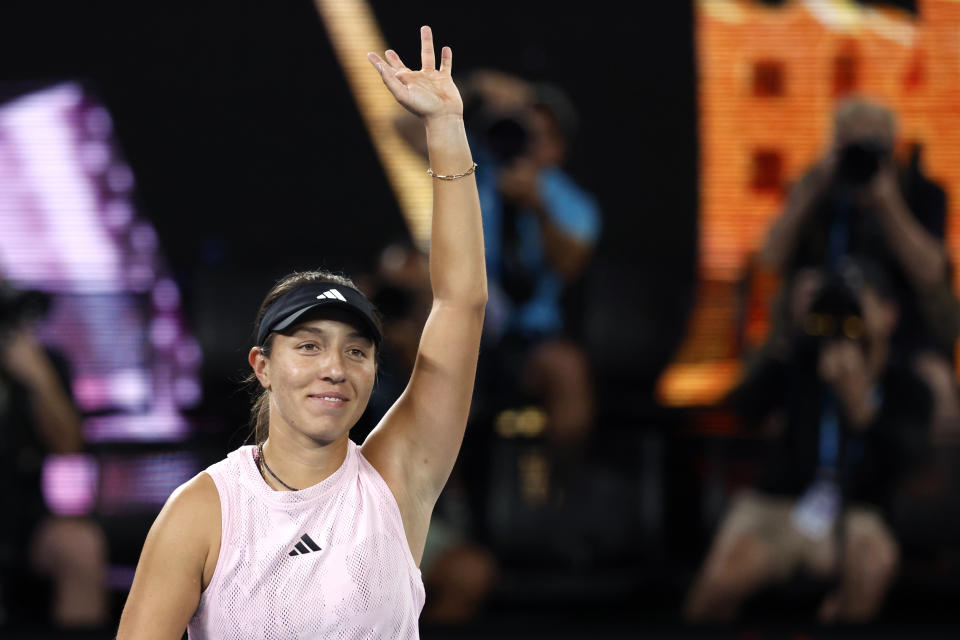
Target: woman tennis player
column 306, row 535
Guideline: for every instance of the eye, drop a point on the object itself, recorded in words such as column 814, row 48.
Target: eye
column 309, row 347
column 356, row 353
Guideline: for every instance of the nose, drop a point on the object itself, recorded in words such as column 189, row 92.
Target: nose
column 331, row 367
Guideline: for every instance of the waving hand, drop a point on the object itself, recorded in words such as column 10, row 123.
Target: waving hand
column 427, row 93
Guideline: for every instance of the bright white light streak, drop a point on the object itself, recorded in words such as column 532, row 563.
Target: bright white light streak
column 353, row 31
column 55, row 207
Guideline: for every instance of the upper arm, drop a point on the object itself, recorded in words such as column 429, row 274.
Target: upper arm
column 416, row 444
column 170, row 574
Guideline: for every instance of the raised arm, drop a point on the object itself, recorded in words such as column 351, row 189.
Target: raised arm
column 920, row 254
column 783, row 235
column 416, row 444
column 55, row 417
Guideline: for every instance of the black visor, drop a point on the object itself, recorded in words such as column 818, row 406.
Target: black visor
column 289, row 307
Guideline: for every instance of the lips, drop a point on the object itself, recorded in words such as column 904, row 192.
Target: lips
column 329, row 399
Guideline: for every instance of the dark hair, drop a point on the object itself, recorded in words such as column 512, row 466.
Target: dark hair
column 260, row 410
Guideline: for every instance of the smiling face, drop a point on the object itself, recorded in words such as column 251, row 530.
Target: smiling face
column 320, row 374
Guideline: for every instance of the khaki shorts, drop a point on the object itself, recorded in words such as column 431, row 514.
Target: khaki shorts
column 769, row 519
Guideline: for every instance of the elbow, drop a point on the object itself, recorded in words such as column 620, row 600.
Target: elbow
column 472, row 296
column 478, row 301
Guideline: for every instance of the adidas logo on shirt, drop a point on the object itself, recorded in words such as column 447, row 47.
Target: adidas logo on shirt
column 301, row 549
column 333, row 294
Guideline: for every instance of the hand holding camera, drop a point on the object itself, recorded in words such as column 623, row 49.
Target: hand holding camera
column 843, row 366
column 518, row 184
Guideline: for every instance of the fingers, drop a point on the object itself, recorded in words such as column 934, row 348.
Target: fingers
column 394, row 60
column 446, row 60
column 388, row 73
column 376, row 61
column 428, row 58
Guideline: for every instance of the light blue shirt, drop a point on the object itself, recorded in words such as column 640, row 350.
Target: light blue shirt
column 573, row 210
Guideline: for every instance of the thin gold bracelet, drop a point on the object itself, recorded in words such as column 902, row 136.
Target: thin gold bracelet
column 453, row 176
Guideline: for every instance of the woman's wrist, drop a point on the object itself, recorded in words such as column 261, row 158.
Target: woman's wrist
column 447, row 147
column 444, row 125
column 440, row 119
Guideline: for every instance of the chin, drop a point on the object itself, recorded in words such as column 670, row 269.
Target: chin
column 324, row 432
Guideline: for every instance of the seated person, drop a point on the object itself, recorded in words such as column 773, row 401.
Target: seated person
column 850, row 420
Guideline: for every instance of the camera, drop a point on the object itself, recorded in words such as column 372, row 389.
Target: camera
column 504, row 133
column 859, row 161
column 835, row 314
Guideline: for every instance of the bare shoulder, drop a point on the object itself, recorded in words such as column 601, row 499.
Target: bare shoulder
column 193, row 509
column 177, row 561
column 187, row 530
column 195, row 512
column 198, row 493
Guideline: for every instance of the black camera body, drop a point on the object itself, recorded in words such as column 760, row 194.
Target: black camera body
column 859, row 161
column 505, row 135
column 835, row 314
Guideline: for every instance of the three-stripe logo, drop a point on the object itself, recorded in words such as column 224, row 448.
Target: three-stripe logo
column 333, row 294
column 301, row 549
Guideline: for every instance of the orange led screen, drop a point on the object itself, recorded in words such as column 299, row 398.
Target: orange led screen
column 768, row 80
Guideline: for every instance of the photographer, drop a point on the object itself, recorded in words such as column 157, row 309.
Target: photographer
column 37, row 416
column 539, row 229
column 849, row 422
column 856, row 201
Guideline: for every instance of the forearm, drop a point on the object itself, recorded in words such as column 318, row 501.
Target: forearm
column 920, row 254
column 457, row 272
column 565, row 254
column 782, row 238
column 860, row 409
column 56, row 419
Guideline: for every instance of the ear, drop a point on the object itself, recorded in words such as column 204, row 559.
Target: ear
column 259, row 363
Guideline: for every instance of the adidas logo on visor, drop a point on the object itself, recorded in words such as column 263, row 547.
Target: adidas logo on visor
column 332, row 294
column 301, row 549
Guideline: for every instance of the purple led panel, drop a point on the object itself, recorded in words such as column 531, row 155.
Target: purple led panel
column 68, row 227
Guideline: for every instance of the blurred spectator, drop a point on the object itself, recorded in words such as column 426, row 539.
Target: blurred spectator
column 849, row 420
column 856, row 202
column 37, row 416
column 540, row 229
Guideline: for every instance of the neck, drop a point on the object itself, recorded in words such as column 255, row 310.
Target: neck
column 299, row 461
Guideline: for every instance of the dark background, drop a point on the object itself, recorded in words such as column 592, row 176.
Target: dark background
column 251, row 161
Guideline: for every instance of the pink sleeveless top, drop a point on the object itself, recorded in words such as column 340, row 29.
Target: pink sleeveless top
column 329, row 561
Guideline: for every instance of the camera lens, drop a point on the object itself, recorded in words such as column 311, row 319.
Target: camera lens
column 860, row 160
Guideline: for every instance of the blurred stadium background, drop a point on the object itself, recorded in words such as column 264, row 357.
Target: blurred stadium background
column 162, row 164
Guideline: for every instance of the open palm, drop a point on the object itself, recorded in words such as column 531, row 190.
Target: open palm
column 427, row 93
